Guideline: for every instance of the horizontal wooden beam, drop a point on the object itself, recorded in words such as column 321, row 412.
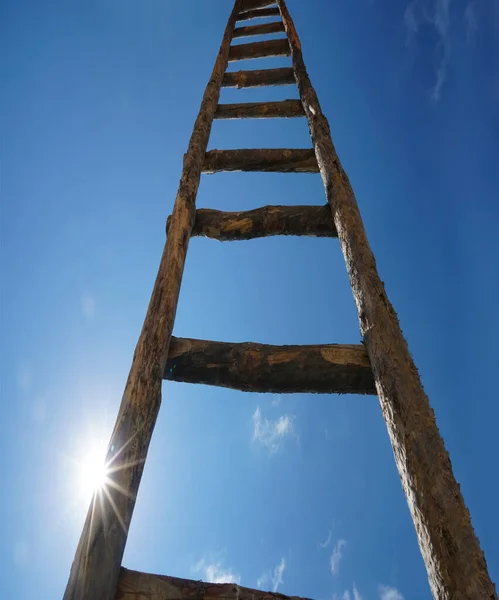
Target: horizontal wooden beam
column 265, row 221
column 255, row 4
column 277, row 160
column 258, row 78
column 264, row 49
column 259, row 13
column 134, row 585
column 250, row 367
column 264, row 29
column 261, row 110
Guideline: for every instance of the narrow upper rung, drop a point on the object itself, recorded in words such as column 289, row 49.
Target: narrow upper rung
column 266, row 28
column 259, row 13
column 259, row 78
column 277, row 160
column 260, row 110
column 260, row 50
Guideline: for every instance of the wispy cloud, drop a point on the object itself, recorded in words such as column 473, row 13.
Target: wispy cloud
column 88, row 306
column 356, row 595
column 215, row 573
column 275, row 578
column 470, row 20
column 437, row 14
column 327, row 542
column 336, row 556
column 389, row 593
column 270, row 432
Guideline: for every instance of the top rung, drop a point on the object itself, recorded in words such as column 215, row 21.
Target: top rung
column 273, row 11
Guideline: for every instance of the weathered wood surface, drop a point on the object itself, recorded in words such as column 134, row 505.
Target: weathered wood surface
column 251, row 367
column 264, row 49
column 259, row 13
column 264, row 29
column 255, row 4
column 263, row 222
column 455, row 563
column 259, row 78
column 285, row 109
column 281, row 160
column 134, row 585
column 96, row 566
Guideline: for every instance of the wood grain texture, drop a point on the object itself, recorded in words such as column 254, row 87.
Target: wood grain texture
column 255, row 4
column 259, row 13
column 282, row 160
column 134, row 585
column 259, row 50
column 454, row 560
column 284, row 109
column 263, row 222
column 262, row 368
column 96, row 566
column 263, row 29
column 258, row 78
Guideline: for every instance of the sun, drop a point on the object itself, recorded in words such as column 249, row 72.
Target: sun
column 92, row 472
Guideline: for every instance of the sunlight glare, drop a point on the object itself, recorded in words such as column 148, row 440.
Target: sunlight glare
column 93, row 472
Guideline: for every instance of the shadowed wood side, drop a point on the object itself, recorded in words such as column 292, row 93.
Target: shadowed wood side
column 285, row 109
column 255, row 4
column 262, row 222
column 96, row 565
column 259, row 78
column 454, row 561
column 266, row 28
column 282, row 160
column 251, row 367
column 259, row 50
column 133, row 585
column 259, row 13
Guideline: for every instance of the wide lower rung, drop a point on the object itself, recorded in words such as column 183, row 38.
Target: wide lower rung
column 266, row 28
column 259, row 13
column 264, row 49
column 251, row 367
column 261, row 110
column 277, row 160
column 258, row 78
column 315, row 221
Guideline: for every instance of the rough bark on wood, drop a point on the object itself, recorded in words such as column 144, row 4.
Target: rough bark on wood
column 250, row 367
column 259, row 13
column 266, row 28
column 282, row 160
column 259, row 78
column 255, row 4
column 266, row 221
column 265, row 49
column 454, row 560
column 261, row 110
column 134, row 585
column 95, row 570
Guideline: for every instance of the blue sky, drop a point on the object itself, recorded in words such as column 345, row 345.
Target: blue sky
column 297, row 493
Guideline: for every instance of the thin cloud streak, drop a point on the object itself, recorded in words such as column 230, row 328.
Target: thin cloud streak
column 336, row 556
column 271, row 433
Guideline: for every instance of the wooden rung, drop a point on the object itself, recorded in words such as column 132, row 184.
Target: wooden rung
column 250, row 367
column 266, row 28
column 259, row 13
column 258, row 78
column 279, row 160
column 260, row 50
column 255, row 4
column 145, row 586
column 260, row 110
column 265, row 221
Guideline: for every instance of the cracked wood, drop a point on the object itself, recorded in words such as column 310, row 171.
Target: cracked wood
column 261, row 110
column 264, row 29
column 259, row 78
column 281, row 160
column 265, row 49
column 454, row 561
column 251, row 367
column 259, row 13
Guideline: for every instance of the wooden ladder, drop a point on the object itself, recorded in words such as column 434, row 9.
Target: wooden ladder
column 381, row 365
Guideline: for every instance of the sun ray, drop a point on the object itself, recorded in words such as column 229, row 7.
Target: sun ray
column 115, row 510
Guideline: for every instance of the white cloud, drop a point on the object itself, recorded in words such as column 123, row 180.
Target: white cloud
column 471, row 21
column 262, row 581
column 336, row 556
column 328, row 540
column 88, row 306
column 277, row 579
column 389, row 593
column 356, row 595
column 271, row 433
column 346, row 595
column 215, row 573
